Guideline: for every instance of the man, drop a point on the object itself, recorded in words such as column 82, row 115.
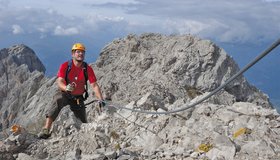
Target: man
column 71, row 83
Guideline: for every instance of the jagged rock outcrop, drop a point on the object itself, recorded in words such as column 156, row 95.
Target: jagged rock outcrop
column 171, row 68
column 156, row 73
column 21, row 75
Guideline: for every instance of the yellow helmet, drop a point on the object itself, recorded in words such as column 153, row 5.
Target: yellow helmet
column 79, row 46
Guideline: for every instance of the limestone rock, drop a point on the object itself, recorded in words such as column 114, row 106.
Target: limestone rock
column 150, row 72
column 171, row 68
column 21, row 76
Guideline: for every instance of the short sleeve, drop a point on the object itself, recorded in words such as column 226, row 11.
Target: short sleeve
column 91, row 75
column 62, row 70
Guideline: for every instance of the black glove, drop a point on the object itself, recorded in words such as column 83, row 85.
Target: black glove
column 101, row 103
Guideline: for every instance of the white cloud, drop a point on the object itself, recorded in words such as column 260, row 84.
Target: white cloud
column 226, row 21
column 65, row 31
column 113, row 19
column 220, row 20
column 17, row 29
column 185, row 26
column 240, row 33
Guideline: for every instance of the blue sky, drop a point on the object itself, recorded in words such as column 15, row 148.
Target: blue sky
column 243, row 28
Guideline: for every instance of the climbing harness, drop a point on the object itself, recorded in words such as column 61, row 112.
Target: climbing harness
column 263, row 54
column 77, row 102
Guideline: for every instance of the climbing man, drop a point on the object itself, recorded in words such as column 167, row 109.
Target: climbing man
column 72, row 80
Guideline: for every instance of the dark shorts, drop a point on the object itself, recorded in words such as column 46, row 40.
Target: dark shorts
column 61, row 99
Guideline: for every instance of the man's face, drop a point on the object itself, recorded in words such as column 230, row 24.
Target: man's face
column 78, row 55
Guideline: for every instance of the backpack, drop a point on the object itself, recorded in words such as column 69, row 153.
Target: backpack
column 85, row 74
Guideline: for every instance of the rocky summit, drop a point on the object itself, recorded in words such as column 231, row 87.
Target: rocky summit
column 151, row 73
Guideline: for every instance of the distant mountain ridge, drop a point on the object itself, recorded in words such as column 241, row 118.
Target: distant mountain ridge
column 21, row 74
column 151, row 72
column 20, row 55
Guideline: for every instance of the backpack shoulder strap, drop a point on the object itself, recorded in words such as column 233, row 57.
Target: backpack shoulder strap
column 67, row 71
column 85, row 66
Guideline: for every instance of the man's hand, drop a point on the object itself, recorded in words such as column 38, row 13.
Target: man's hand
column 101, row 103
column 70, row 88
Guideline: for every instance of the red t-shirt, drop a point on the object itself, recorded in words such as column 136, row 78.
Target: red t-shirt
column 76, row 76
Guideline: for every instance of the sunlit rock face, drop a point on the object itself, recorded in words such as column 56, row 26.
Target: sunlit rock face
column 150, row 72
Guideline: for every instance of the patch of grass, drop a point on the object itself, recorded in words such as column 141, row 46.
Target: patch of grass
column 114, row 135
column 193, row 92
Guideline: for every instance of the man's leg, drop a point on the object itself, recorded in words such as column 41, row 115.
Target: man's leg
column 81, row 114
column 48, row 123
column 45, row 132
column 59, row 101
